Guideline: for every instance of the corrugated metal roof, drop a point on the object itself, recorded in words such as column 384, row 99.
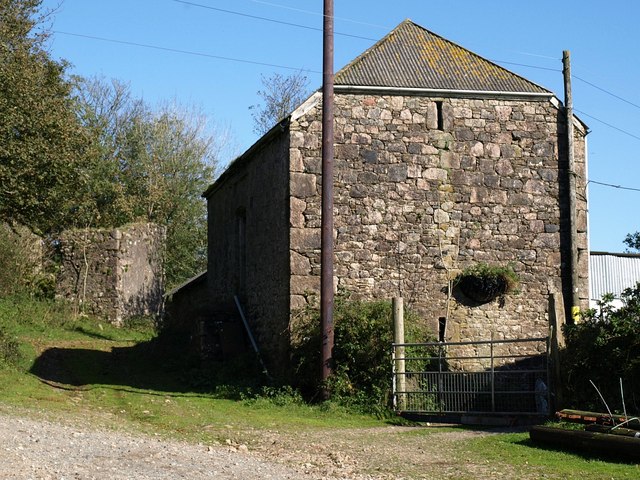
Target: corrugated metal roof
column 412, row 57
column 612, row 273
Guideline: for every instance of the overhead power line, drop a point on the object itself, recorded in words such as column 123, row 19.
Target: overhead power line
column 614, row 186
column 185, row 52
column 306, row 27
column 525, row 65
column 607, row 92
column 607, row 124
column 256, row 17
column 287, row 67
column 310, row 12
column 297, row 25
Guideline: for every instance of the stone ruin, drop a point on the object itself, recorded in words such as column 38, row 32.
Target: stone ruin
column 114, row 274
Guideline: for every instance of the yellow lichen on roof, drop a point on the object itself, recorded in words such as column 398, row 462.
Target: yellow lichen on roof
column 411, row 56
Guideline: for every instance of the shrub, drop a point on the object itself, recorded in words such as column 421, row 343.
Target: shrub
column 604, row 347
column 363, row 334
column 18, row 261
column 9, row 348
column 483, row 283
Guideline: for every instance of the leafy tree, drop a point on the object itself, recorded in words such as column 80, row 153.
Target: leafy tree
column 85, row 153
column 604, row 347
column 171, row 162
column 41, row 141
column 18, row 260
column 280, row 96
column 107, row 110
column 632, row 240
column 148, row 165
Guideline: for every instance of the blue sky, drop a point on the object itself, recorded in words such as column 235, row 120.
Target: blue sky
column 230, row 51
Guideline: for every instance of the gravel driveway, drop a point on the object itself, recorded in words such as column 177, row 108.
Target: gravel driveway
column 37, row 449
column 74, row 448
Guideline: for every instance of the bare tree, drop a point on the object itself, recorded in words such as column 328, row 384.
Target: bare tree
column 280, row 95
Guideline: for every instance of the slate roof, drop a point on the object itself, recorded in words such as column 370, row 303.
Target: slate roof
column 411, row 56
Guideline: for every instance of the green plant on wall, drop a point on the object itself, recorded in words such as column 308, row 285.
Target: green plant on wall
column 484, row 283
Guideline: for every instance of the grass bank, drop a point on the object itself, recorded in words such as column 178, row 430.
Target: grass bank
column 77, row 365
column 57, row 365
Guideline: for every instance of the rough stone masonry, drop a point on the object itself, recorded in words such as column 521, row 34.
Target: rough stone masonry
column 425, row 187
column 114, row 274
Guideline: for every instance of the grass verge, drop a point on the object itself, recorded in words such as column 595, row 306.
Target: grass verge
column 79, row 370
column 129, row 378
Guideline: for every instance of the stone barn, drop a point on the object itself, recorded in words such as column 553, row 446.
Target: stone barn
column 443, row 160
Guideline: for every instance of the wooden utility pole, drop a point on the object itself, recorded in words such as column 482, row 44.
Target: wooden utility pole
column 326, row 267
column 573, row 243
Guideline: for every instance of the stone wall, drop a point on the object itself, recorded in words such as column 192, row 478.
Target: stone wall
column 186, row 306
column 113, row 274
column 248, row 244
column 425, row 187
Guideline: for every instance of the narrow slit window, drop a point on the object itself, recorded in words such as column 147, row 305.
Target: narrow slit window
column 442, row 328
column 241, row 250
column 439, row 115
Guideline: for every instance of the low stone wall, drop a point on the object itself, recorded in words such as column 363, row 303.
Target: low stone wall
column 113, row 274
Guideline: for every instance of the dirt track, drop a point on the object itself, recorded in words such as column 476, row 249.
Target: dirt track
column 43, row 449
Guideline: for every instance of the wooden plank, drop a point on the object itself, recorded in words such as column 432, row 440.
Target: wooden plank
column 580, row 416
column 625, row 432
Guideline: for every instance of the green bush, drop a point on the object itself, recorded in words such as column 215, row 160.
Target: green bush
column 363, row 334
column 17, row 262
column 9, row 348
column 22, row 266
column 604, row 347
column 484, row 283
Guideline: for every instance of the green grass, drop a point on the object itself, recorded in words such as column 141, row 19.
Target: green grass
column 130, row 378
column 517, row 450
column 79, row 368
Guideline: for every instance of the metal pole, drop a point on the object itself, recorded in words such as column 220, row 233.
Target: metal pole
column 399, row 355
column 251, row 337
column 493, row 378
column 440, row 386
column 326, row 268
column 573, row 244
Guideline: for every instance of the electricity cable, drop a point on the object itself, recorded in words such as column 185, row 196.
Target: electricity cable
column 185, row 52
column 607, row 124
column 606, row 91
column 611, row 185
column 256, row 17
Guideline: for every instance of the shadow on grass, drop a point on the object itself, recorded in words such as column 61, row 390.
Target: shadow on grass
column 92, row 334
column 158, row 364
column 577, row 451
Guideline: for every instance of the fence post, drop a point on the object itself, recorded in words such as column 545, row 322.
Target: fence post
column 556, row 343
column 398, row 339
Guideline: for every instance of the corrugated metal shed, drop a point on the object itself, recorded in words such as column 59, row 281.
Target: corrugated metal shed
column 612, row 273
column 411, row 56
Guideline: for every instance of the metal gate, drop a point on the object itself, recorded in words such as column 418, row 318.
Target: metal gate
column 492, row 376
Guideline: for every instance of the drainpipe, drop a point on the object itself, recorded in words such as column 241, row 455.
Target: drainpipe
column 573, row 244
